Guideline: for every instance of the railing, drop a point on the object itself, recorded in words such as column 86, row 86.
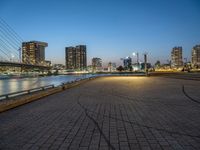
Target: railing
column 14, row 94
column 25, row 92
column 62, row 85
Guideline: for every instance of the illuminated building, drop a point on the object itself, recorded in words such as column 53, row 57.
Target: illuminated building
column 112, row 67
column 76, row 57
column 96, row 64
column 33, row 52
column 176, row 57
column 196, row 56
column 127, row 63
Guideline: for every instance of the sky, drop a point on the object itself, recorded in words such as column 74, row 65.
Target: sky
column 111, row 29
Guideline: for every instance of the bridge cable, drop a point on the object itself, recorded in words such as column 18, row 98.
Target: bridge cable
column 7, row 48
column 11, row 29
column 8, row 36
column 12, row 36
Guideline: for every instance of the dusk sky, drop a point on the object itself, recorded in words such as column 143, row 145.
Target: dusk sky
column 111, row 29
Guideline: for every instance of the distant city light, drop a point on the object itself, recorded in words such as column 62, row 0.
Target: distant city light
column 12, row 55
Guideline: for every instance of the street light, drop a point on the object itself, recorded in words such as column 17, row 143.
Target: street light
column 136, row 54
column 136, row 65
column 12, row 57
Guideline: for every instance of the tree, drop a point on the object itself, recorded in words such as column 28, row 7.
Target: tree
column 120, row 68
column 157, row 64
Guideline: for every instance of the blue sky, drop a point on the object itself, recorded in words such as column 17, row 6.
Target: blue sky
column 111, row 29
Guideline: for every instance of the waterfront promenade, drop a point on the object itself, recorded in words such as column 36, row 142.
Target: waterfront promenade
column 109, row 113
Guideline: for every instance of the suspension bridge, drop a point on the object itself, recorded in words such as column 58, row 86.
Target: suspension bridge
column 10, row 50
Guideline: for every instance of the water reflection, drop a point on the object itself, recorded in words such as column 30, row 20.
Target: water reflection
column 14, row 85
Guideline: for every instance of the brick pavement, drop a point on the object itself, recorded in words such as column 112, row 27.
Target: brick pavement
column 108, row 113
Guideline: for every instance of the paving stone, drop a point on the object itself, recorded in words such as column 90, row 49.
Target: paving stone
column 108, row 113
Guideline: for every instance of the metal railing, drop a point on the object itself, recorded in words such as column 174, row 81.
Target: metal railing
column 19, row 93
column 30, row 91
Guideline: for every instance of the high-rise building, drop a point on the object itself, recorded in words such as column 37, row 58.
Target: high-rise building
column 127, row 63
column 70, row 57
column 112, row 67
column 96, row 64
column 176, row 57
column 196, row 56
column 33, row 52
column 76, row 57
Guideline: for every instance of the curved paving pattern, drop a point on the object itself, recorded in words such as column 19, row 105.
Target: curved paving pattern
column 108, row 113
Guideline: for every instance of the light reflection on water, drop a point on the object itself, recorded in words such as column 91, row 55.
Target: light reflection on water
column 14, row 85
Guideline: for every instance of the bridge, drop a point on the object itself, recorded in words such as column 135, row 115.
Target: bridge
column 22, row 65
column 10, row 50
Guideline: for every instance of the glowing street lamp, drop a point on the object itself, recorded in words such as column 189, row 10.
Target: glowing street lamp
column 136, row 54
column 12, row 57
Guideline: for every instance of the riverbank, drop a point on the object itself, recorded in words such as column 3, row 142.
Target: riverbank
column 27, row 97
column 20, row 84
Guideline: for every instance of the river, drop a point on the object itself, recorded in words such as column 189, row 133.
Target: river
column 14, row 85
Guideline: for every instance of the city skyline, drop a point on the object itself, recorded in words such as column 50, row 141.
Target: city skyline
column 110, row 29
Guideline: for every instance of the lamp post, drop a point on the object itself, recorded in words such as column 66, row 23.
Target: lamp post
column 145, row 63
column 136, row 54
column 12, row 57
column 137, row 62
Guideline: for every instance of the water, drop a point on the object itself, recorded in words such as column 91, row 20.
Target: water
column 15, row 85
column 20, row 84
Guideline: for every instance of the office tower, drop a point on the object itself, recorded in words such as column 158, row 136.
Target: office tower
column 196, row 56
column 176, row 57
column 112, row 67
column 127, row 63
column 70, row 57
column 81, row 57
column 76, row 57
column 33, row 52
column 96, row 64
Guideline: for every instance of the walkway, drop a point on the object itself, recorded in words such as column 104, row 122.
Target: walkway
column 109, row 113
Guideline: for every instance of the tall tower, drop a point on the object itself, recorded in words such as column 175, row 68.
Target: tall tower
column 196, row 56
column 96, row 64
column 70, row 57
column 33, row 52
column 127, row 63
column 76, row 57
column 176, row 57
